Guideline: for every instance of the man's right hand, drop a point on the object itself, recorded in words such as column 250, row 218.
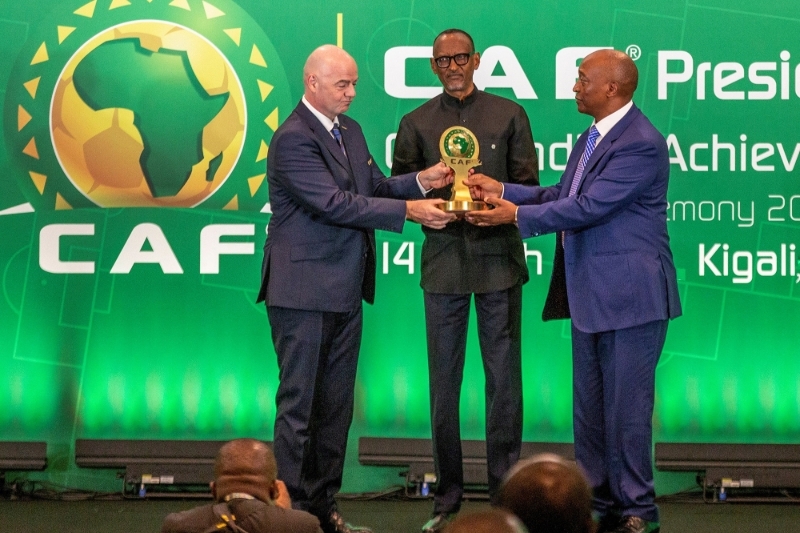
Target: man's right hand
column 426, row 213
column 482, row 187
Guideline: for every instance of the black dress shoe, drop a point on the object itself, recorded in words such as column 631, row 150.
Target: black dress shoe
column 437, row 523
column 336, row 524
column 635, row 524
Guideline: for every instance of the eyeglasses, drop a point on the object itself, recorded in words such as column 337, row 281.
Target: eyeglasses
column 460, row 59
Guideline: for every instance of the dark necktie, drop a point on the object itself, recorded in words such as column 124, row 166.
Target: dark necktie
column 337, row 134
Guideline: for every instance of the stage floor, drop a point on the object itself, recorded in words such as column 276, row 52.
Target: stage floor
column 145, row 516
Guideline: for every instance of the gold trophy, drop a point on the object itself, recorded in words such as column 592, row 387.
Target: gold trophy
column 460, row 150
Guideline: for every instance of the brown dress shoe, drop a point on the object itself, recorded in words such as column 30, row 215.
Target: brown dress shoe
column 336, row 524
column 437, row 523
column 635, row 524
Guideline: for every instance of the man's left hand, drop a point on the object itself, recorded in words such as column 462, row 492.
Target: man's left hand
column 504, row 212
column 436, row 177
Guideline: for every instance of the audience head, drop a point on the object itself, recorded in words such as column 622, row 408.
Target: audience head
column 247, row 466
column 489, row 521
column 549, row 495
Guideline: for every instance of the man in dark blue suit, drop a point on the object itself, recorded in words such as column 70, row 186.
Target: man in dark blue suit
column 613, row 274
column 327, row 197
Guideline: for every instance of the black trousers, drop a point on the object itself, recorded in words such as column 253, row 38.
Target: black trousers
column 499, row 333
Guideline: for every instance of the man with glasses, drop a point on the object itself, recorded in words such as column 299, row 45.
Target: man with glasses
column 461, row 260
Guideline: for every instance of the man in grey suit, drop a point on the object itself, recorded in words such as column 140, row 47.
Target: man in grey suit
column 327, row 197
column 614, row 275
column 247, row 495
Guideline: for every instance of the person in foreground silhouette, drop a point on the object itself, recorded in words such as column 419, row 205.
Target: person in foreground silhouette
column 247, row 497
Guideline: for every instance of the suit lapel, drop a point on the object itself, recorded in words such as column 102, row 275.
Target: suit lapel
column 324, row 136
column 349, row 148
column 606, row 142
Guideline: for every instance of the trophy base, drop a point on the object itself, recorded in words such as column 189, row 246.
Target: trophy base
column 462, row 206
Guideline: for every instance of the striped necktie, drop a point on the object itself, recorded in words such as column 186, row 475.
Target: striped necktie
column 337, row 134
column 587, row 153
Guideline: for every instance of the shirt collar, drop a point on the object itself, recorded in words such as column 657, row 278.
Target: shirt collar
column 238, row 496
column 605, row 125
column 328, row 123
column 452, row 100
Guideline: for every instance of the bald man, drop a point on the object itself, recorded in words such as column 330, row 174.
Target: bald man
column 246, row 493
column 488, row 521
column 549, row 495
column 327, row 197
column 613, row 274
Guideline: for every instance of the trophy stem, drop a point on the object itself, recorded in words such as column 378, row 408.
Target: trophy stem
column 460, row 200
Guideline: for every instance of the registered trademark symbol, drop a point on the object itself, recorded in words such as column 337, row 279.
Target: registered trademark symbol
column 634, row 51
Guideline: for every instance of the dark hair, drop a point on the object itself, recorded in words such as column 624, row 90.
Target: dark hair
column 549, row 495
column 452, row 31
column 487, row 521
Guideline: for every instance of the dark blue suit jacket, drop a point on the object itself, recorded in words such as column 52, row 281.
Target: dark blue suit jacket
column 320, row 249
column 618, row 267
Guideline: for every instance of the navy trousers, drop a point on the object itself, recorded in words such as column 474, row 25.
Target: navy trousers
column 317, row 357
column 613, row 395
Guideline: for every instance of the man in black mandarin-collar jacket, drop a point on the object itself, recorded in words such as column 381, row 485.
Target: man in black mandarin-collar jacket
column 463, row 260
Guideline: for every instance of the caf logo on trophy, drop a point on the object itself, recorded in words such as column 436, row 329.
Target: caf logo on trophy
column 460, row 150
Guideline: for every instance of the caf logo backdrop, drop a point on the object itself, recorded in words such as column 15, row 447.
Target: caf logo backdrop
column 145, row 103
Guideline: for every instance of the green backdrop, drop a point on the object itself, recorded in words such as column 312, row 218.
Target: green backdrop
column 133, row 210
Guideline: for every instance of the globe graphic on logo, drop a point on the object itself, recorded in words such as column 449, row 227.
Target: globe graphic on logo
column 459, row 145
column 459, row 142
column 148, row 114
